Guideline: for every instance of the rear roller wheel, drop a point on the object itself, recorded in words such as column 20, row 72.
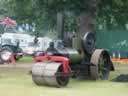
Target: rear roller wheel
column 101, row 64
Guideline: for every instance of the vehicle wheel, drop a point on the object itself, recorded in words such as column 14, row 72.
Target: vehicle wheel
column 5, row 53
column 101, row 64
column 50, row 74
column 88, row 43
column 17, row 57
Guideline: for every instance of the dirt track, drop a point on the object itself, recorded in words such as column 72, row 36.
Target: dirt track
column 122, row 68
column 26, row 68
column 118, row 67
column 15, row 67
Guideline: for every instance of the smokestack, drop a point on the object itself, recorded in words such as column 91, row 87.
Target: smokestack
column 60, row 25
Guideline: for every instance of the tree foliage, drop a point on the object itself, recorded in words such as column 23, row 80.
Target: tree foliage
column 42, row 13
column 113, row 13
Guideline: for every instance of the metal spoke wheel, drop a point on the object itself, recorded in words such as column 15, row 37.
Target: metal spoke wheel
column 101, row 64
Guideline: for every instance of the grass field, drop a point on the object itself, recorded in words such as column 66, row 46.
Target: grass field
column 14, row 82
column 26, row 59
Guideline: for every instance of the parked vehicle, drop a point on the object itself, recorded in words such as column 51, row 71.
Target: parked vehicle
column 9, row 42
column 7, row 50
column 13, row 38
column 39, row 47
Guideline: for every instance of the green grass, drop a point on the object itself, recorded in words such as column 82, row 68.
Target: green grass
column 26, row 59
column 19, row 83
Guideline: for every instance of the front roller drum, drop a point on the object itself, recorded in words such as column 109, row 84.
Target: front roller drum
column 50, row 74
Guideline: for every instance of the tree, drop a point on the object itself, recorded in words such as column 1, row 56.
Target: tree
column 43, row 13
column 112, row 13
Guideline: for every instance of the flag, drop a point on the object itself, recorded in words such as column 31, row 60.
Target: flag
column 7, row 22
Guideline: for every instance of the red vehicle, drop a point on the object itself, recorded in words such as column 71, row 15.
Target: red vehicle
column 9, row 52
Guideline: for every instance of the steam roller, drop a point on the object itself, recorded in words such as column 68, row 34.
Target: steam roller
column 58, row 64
